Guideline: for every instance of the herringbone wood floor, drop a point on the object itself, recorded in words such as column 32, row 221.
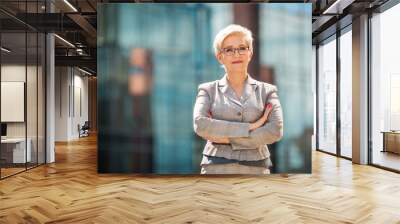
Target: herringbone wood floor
column 71, row 191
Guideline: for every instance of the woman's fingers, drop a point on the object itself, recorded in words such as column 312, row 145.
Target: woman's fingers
column 268, row 109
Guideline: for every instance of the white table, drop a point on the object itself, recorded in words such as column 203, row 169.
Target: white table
column 19, row 155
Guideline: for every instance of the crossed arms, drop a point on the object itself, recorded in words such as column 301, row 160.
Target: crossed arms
column 241, row 135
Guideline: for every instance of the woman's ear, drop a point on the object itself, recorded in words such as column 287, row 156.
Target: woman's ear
column 219, row 57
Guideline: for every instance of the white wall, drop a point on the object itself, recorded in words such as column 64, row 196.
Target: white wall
column 13, row 73
column 33, row 127
column 71, row 94
column 61, row 103
column 79, row 110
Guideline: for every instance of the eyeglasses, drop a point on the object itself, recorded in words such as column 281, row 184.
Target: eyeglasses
column 231, row 51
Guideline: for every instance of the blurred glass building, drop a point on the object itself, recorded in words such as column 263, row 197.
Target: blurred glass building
column 152, row 131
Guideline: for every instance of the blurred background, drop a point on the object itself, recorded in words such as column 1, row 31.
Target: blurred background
column 152, row 57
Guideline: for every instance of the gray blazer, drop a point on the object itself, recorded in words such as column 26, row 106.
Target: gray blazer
column 219, row 113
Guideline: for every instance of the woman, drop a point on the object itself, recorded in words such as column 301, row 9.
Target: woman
column 237, row 115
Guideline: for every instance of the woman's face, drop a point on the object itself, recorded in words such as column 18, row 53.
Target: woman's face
column 235, row 53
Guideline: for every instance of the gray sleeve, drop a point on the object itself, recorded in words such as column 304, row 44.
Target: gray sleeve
column 205, row 126
column 270, row 132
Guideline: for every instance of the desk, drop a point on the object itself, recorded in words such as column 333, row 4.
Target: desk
column 391, row 141
column 16, row 147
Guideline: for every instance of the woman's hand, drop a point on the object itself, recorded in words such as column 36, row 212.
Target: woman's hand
column 261, row 121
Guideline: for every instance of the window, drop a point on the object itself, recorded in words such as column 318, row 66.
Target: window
column 327, row 96
column 385, row 89
column 346, row 94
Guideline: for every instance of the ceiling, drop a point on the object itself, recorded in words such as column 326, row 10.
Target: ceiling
column 76, row 22
column 332, row 15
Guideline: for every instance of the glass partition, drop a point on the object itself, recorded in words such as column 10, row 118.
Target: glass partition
column 22, row 91
column 13, row 108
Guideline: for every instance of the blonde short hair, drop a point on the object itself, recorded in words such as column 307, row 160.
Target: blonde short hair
column 231, row 29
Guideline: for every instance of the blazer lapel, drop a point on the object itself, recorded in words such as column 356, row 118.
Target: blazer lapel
column 249, row 89
column 227, row 91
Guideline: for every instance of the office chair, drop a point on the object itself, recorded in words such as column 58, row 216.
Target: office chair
column 84, row 130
